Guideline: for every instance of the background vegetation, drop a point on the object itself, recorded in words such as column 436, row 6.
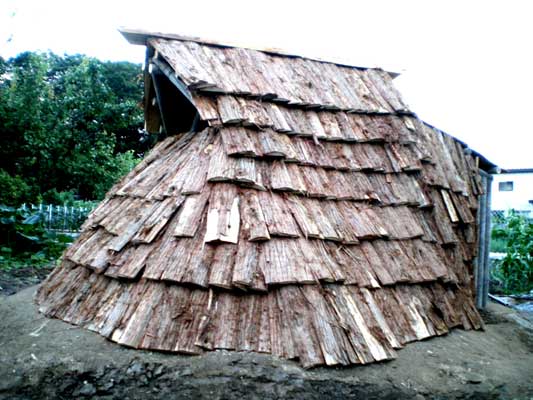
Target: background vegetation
column 24, row 241
column 70, row 126
column 513, row 235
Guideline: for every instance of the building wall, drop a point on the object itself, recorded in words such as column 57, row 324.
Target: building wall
column 520, row 198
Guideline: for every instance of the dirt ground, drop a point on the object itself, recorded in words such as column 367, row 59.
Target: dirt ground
column 15, row 280
column 49, row 359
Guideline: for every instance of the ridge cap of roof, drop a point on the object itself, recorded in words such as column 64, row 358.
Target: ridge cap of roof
column 140, row 37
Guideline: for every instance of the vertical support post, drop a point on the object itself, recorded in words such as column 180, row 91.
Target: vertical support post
column 158, row 95
column 65, row 210
column 488, row 215
column 195, row 122
column 479, row 279
column 482, row 278
column 476, row 261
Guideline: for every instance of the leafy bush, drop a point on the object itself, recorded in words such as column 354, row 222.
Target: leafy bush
column 14, row 189
column 498, row 245
column 23, row 241
column 52, row 196
column 515, row 271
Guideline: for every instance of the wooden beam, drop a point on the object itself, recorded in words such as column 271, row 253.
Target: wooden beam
column 169, row 73
column 160, row 70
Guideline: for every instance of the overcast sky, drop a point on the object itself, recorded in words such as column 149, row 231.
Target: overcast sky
column 467, row 66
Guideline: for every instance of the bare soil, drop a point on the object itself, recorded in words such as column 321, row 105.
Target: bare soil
column 16, row 279
column 49, row 359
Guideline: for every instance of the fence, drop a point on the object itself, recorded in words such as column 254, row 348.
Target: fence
column 497, row 215
column 59, row 218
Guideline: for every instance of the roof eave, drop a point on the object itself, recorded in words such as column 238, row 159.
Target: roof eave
column 484, row 163
column 517, row 171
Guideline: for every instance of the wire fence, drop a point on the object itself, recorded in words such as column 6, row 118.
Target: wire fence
column 59, row 218
column 498, row 216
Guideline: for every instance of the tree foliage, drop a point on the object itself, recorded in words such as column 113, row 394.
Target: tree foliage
column 67, row 124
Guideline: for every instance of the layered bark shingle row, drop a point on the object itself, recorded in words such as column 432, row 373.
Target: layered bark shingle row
column 328, row 324
column 288, row 80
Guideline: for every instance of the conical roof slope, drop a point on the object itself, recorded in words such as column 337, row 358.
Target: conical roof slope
column 309, row 215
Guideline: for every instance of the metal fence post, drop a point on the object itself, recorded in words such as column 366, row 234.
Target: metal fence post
column 58, row 218
column 486, row 275
column 482, row 278
column 479, row 278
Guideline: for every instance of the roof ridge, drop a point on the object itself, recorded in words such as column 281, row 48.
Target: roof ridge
column 140, row 37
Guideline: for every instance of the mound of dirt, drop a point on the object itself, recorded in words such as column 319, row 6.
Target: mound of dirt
column 42, row 358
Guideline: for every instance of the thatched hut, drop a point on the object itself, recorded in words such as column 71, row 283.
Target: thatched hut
column 296, row 207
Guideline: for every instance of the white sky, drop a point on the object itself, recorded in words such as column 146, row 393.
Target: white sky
column 467, row 66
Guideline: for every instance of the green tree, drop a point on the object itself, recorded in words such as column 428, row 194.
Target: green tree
column 67, row 124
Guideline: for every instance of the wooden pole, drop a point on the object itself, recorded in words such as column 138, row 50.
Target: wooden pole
column 155, row 77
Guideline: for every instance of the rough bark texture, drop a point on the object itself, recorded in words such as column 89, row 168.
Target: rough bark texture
column 314, row 218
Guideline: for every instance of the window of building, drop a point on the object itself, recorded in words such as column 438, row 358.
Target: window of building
column 505, row 186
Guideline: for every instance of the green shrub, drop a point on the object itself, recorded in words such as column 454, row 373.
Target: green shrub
column 14, row 189
column 498, row 245
column 52, row 196
column 23, row 241
column 514, row 272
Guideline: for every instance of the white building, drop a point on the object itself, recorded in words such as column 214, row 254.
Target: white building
column 513, row 189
